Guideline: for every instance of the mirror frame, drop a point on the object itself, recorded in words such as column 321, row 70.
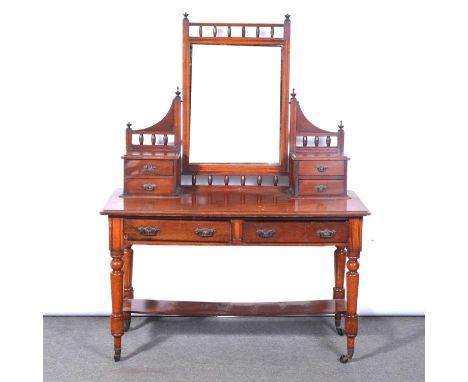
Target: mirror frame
column 187, row 43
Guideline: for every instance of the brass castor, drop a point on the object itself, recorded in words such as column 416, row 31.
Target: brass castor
column 117, row 355
column 345, row 358
column 126, row 325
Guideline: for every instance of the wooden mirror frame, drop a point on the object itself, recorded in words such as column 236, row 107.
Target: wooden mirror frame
column 187, row 42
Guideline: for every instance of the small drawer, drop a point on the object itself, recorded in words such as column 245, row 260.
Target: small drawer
column 321, row 168
column 151, row 186
column 143, row 167
column 295, row 232
column 320, row 187
column 177, row 230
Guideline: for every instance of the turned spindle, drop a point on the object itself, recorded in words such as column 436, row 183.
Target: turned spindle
column 243, row 180
column 210, row 180
column 275, row 180
column 316, row 141
column 229, row 31
column 200, row 31
column 165, row 139
column 194, row 180
column 304, row 140
column 259, row 180
column 243, row 31
column 272, row 32
column 328, row 141
column 141, row 138
column 153, row 139
column 257, row 32
column 215, row 31
column 226, row 180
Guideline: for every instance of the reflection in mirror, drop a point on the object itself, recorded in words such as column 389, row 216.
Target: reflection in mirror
column 235, row 104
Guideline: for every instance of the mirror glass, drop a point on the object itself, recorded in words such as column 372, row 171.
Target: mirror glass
column 235, row 104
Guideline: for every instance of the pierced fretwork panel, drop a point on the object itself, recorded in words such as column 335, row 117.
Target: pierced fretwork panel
column 235, row 180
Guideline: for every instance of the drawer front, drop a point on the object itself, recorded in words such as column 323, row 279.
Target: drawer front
column 316, row 168
column 151, row 186
column 177, row 230
column 143, row 167
column 321, row 187
column 295, row 232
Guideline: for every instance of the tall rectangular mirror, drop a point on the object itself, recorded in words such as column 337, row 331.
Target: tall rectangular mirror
column 235, row 98
column 235, row 104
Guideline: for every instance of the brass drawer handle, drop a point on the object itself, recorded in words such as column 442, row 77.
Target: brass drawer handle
column 205, row 232
column 266, row 232
column 148, row 231
column 326, row 233
column 149, row 167
column 321, row 187
column 149, row 186
column 321, row 168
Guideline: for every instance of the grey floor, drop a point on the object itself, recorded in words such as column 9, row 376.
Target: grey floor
column 233, row 349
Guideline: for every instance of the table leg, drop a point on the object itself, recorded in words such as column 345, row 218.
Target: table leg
column 338, row 290
column 352, row 284
column 127, row 281
column 116, row 278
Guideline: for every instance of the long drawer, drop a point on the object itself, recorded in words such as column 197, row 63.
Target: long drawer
column 321, row 187
column 178, row 230
column 294, row 232
column 145, row 167
column 318, row 168
column 151, row 186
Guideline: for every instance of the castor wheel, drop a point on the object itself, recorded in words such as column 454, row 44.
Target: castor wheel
column 345, row 358
column 117, row 355
column 126, row 325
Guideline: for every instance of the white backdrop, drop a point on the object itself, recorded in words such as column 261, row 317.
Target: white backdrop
column 78, row 71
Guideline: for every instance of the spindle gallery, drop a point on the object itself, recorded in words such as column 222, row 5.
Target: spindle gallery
column 295, row 196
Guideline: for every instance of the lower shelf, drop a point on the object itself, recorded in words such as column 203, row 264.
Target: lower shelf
column 195, row 308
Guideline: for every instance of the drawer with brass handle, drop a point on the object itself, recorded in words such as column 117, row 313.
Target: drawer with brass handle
column 149, row 186
column 321, row 187
column 177, row 230
column 142, row 167
column 319, row 168
column 294, row 232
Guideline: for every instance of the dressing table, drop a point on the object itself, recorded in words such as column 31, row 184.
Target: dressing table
column 179, row 190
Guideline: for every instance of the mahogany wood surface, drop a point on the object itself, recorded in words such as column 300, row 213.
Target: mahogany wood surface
column 199, row 308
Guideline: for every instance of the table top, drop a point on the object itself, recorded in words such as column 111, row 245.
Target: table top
column 271, row 204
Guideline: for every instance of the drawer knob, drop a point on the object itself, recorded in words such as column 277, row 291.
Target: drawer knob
column 149, row 186
column 326, row 233
column 266, row 232
column 321, row 168
column 321, row 187
column 148, row 231
column 149, row 167
column 205, row 232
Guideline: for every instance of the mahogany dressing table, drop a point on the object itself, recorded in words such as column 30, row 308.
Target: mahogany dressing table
column 300, row 199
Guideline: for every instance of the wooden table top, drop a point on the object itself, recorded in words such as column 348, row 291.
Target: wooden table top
column 240, row 204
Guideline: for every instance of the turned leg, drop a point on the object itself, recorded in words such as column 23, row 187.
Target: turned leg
column 116, row 278
column 127, row 281
column 338, row 290
column 352, row 284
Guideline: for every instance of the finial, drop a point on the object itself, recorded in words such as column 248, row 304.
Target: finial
column 287, row 16
column 293, row 94
column 341, row 125
column 177, row 93
column 129, row 125
column 185, row 15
